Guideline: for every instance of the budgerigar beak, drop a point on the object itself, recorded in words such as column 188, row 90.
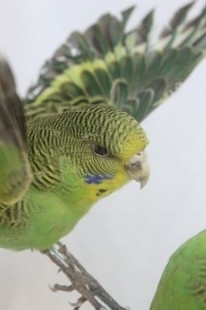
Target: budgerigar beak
column 138, row 168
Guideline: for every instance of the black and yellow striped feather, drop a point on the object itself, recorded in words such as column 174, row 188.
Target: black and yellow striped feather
column 125, row 68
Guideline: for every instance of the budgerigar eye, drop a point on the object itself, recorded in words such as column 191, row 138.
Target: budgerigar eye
column 100, row 150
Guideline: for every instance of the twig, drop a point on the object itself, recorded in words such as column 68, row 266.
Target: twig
column 81, row 281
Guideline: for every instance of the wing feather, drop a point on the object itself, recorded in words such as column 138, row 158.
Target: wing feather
column 15, row 174
column 110, row 64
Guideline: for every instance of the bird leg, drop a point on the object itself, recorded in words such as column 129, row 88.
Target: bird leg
column 81, row 281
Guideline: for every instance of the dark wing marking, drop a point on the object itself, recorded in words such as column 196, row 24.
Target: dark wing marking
column 109, row 64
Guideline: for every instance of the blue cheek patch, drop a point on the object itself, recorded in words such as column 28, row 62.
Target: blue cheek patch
column 97, row 178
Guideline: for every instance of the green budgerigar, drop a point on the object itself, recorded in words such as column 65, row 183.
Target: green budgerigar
column 65, row 164
column 183, row 282
column 76, row 136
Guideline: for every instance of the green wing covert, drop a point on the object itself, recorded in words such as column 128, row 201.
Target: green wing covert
column 109, row 64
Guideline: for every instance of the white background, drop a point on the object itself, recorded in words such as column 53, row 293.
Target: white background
column 126, row 239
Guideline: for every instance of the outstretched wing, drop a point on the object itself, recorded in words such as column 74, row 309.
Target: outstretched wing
column 15, row 176
column 109, row 64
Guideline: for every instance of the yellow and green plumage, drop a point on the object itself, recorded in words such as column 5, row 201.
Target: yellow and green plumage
column 77, row 138
column 76, row 157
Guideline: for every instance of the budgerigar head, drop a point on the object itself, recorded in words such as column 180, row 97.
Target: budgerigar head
column 109, row 147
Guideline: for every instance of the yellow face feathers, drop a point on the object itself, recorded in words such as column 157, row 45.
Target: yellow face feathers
column 114, row 143
column 133, row 139
column 102, row 144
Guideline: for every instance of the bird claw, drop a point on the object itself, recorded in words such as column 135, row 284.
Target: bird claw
column 62, row 248
column 81, row 300
column 64, row 288
column 81, row 281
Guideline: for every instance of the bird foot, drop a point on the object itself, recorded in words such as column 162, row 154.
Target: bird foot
column 81, row 281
